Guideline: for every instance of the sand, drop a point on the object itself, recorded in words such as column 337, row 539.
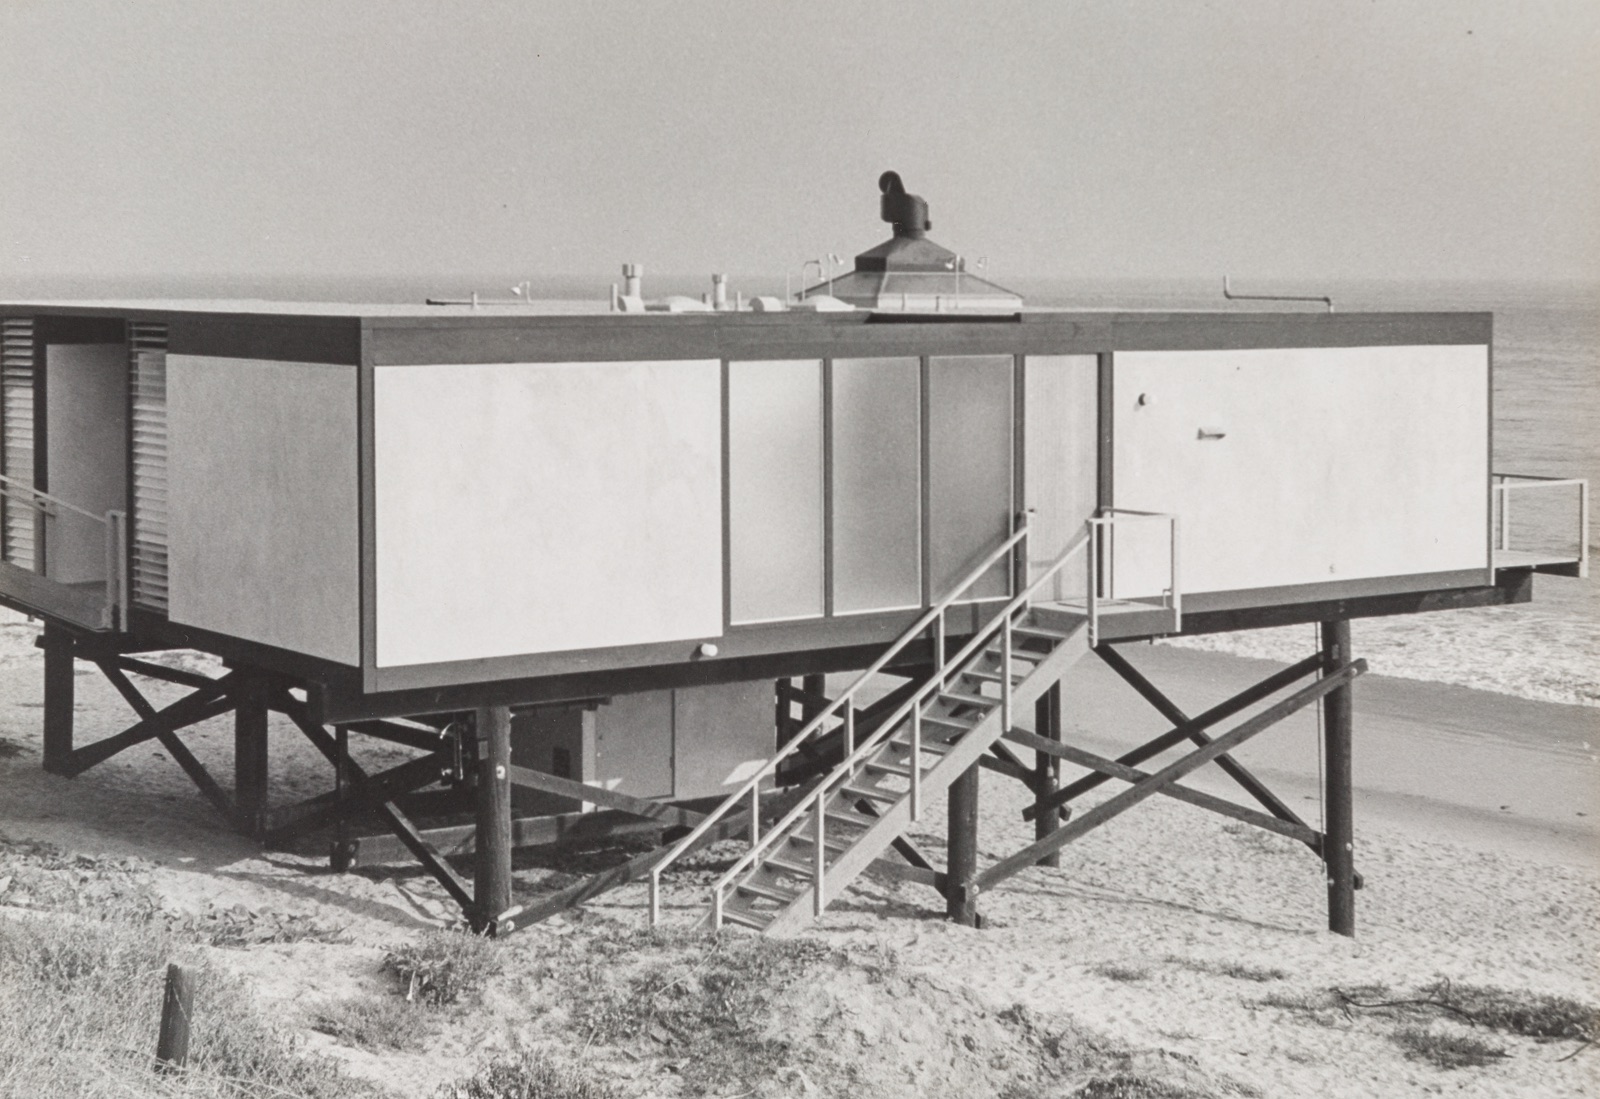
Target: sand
column 1169, row 929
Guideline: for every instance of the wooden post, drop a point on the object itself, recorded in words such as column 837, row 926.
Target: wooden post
column 961, row 896
column 250, row 755
column 1047, row 768
column 491, row 890
column 783, row 726
column 177, row 1008
column 1338, row 843
column 58, row 700
column 342, row 855
column 815, row 690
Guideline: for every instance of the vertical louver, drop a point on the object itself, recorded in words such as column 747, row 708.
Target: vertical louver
column 16, row 437
column 147, row 355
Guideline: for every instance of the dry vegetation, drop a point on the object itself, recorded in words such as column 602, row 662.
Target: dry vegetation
column 1445, row 1024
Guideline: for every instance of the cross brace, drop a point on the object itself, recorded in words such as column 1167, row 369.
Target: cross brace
column 1163, row 779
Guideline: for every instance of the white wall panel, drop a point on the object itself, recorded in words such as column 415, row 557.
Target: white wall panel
column 546, row 507
column 1333, row 463
column 263, row 519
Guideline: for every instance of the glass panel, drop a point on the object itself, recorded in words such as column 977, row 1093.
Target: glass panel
column 1060, row 461
column 969, row 468
column 877, row 489
column 775, row 489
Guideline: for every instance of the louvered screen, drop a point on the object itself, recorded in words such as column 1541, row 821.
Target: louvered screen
column 147, row 353
column 16, row 437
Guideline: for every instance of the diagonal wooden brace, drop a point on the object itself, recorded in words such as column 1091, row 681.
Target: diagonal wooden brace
column 1169, row 710
column 1218, row 713
column 201, row 705
column 293, row 820
column 176, row 748
column 668, row 814
column 454, row 884
column 1127, row 799
column 1110, row 767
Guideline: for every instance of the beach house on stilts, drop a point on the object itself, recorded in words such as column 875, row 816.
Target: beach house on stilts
column 596, row 568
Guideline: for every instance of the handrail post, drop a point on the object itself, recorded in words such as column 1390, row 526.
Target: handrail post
column 1583, row 527
column 716, row 908
column 655, row 896
column 755, row 814
column 916, row 759
column 1093, row 559
column 849, row 730
column 938, row 648
column 1005, row 674
column 110, row 619
column 820, row 857
column 1177, row 591
column 117, row 584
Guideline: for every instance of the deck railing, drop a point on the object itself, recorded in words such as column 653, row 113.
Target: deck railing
column 1102, row 563
column 1507, row 486
column 49, row 511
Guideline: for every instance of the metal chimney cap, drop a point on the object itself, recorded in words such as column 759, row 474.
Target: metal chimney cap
column 906, row 212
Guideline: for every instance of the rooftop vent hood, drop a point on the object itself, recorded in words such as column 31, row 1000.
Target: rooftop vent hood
column 910, row 273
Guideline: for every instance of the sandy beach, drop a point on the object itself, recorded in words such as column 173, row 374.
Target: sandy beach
column 1195, row 943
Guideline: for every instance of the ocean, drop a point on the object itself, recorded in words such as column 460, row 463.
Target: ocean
column 1546, row 413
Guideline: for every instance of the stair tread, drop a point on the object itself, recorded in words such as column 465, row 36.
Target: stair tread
column 990, row 677
column 872, row 793
column 948, row 722
column 846, row 816
column 1041, row 631
column 1017, row 654
column 778, row 862
column 747, row 917
column 831, row 845
column 771, row 893
column 968, row 700
column 890, row 768
column 934, row 747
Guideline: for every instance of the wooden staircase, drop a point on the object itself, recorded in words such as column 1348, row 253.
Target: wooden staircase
column 865, row 803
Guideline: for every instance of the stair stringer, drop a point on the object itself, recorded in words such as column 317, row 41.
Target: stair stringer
column 894, row 819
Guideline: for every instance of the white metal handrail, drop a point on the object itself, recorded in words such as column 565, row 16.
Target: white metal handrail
column 42, row 502
column 816, row 800
column 1505, row 484
column 751, row 788
column 1102, row 576
column 116, row 540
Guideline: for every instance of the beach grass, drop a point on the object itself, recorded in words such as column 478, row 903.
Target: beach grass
column 443, row 967
column 80, row 1006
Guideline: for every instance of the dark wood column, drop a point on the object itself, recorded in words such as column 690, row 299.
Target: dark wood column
column 59, row 699
column 250, row 754
column 961, row 895
column 491, row 891
column 1047, row 768
column 1338, row 843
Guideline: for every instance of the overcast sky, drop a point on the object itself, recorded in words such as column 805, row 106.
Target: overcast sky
column 1341, row 138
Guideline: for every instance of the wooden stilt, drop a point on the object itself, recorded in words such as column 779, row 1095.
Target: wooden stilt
column 492, row 860
column 250, row 755
column 1338, row 846
column 961, row 896
column 815, row 691
column 1047, row 768
column 58, row 700
column 341, row 856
